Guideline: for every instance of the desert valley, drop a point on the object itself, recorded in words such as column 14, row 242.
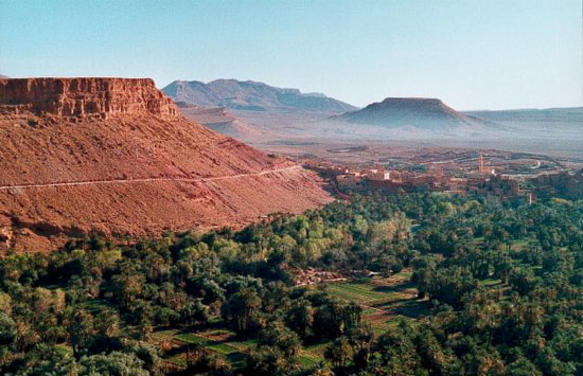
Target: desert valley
column 265, row 188
column 97, row 169
column 117, row 157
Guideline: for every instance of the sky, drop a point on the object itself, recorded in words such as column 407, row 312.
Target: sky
column 472, row 54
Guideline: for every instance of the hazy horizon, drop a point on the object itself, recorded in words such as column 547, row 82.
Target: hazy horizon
column 473, row 55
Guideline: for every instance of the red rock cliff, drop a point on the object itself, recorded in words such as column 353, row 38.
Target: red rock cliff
column 85, row 97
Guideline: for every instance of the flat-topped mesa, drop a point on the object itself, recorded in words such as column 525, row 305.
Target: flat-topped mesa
column 87, row 97
column 410, row 102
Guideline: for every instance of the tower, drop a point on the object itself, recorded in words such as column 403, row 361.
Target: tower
column 481, row 164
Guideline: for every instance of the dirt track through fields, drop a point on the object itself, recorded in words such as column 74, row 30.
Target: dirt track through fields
column 143, row 180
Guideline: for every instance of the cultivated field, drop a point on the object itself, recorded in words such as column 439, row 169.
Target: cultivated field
column 384, row 302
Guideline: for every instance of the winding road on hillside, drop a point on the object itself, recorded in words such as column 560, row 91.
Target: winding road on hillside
column 145, row 180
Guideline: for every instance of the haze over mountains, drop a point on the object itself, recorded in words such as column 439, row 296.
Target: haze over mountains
column 263, row 110
column 427, row 113
column 430, row 121
column 251, row 95
column 117, row 157
column 566, row 115
column 252, row 111
column 256, row 112
column 264, row 115
column 220, row 119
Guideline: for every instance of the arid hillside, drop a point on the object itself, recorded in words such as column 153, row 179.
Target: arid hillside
column 116, row 156
column 221, row 119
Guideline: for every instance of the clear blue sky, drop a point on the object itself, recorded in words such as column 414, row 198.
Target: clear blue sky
column 474, row 54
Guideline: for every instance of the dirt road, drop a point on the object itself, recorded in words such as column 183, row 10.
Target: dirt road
column 143, row 180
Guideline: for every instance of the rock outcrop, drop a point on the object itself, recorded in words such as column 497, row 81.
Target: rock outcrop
column 80, row 98
column 116, row 157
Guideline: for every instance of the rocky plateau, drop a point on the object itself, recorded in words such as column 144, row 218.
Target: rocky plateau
column 116, row 157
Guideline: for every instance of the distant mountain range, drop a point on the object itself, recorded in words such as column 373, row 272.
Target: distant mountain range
column 251, row 96
column 425, row 113
column 555, row 130
column 548, row 115
column 262, row 114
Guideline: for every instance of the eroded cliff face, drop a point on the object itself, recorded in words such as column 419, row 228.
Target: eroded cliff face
column 115, row 156
column 80, row 98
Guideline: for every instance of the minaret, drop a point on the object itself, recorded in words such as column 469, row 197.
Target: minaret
column 481, row 164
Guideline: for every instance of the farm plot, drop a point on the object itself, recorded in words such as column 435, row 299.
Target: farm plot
column 382, row 299
column 223, row 342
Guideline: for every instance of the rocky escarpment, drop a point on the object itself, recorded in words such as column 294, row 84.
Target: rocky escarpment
column 80, row 98
column 115, row 157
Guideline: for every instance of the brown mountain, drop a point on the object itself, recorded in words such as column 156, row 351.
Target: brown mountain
column 260, row 113
column 425, row 113
column 221, row 120
column 251, row 96
column 116, row 156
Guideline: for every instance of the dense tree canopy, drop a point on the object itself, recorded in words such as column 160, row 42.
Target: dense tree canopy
column 503, row 282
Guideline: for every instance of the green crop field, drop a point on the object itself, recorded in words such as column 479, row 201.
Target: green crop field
column 228, row 346
column 383, row 300
column 220, row 341
column 358, row 292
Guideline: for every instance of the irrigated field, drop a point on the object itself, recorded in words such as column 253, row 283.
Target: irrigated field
column 383, row 300
column 220, row 341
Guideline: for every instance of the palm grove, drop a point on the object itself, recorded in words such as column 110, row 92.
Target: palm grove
column 92, row 307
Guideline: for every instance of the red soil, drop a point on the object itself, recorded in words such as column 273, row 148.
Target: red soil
column 143, row 167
